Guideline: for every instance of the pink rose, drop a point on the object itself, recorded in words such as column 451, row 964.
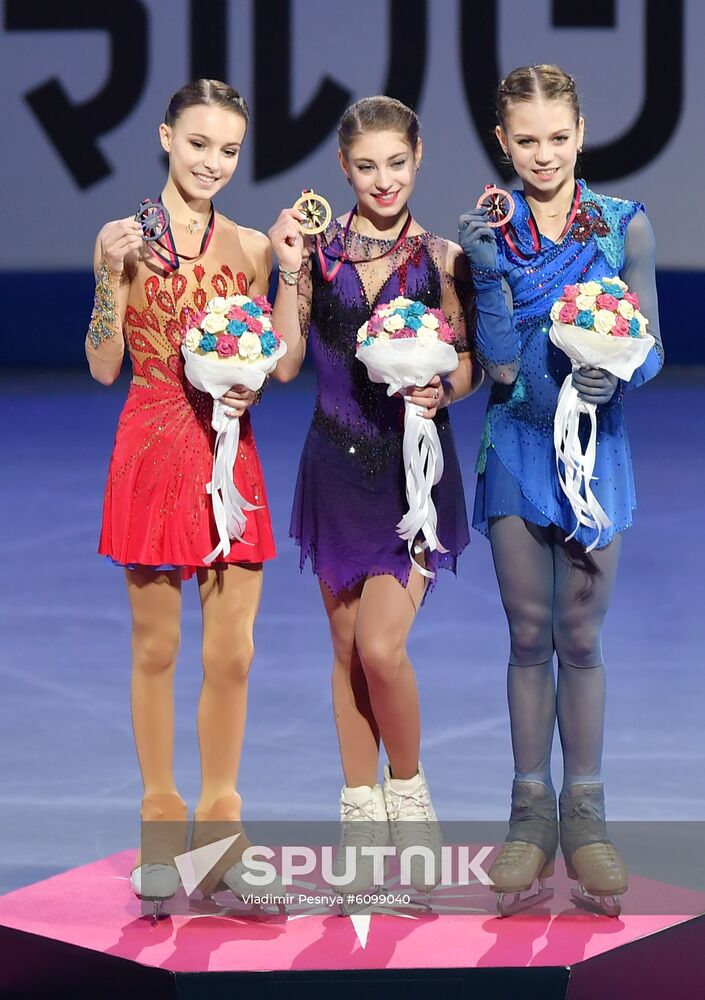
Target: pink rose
column 634, row 299
column 237, row 313
column 607, row 301
column 253, row 324
column 226, row 346
column 570, row 292
column 263, row 302
column 620, row 328
column 569, row 312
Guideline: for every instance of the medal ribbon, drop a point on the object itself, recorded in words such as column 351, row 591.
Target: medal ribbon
column 329, row 275
column 512, row 239
column 173, row 259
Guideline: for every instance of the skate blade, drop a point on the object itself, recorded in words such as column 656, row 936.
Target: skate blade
column 157, row 902
column 608, row 906
column 509, row 903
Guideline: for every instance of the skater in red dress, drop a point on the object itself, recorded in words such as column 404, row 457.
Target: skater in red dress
column 157, row 518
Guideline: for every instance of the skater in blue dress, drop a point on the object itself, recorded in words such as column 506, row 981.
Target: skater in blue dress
column 555, row 595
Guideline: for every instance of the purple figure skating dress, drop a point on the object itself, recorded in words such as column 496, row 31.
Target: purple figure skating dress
column 350, row 492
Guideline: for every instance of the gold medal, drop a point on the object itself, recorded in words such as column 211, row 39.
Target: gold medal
column 316, row 210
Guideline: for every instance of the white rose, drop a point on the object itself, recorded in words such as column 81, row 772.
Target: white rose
column 616, row 280
column 383, row 335
column 215, row 322
column 400, row 302
column 192, row 339
column 238, row 300
column 426, row 337
column 394, row 322
column 249, row 346
column 625, row 309
column 585, row 302
column 556, row 311
column 604, row 320
column 642, row 320
column 430, row 321
column 362, row 333
column 217, row 305
column 591, row 288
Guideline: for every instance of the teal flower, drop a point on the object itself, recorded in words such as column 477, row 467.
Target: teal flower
column 208, row 342
column 236, row 327
column 584, row 319
column 634, row 330
column 252, row 309
column 268, row 343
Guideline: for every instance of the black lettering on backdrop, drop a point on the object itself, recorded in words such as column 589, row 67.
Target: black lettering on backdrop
column 663, row 82
column 408, row 31
column 282, row 139
column 663, row 98
column 480, row 71
column 209, row 40
column 596, row 14
column 74, row 128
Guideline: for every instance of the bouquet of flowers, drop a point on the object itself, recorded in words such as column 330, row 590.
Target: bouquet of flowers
column 231, row 343
column 599, row 324
column 404, row 344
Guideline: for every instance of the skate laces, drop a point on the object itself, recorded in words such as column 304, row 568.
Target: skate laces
column 410, row 805
column 601, row 855
column 358, row 823
column 411, row 819
column 512, row 851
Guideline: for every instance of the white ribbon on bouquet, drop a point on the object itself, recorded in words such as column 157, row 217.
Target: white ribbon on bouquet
column 401, row 364
column 575, row 465
column 216, row 376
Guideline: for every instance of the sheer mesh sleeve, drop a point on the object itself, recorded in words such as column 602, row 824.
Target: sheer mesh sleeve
column 498, row 344
column 458, row 298
column 639, row 272
column 305, row 289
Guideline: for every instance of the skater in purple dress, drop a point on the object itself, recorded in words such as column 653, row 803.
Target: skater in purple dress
column 350, row 492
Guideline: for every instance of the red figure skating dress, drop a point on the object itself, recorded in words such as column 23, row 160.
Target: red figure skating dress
column 156, row 511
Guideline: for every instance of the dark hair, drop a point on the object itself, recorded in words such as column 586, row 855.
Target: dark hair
column 529, row 82
column 206, row 92
column 377, row 114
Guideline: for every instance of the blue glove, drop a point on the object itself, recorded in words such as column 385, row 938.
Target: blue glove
column 594, row 385
column 477, row 239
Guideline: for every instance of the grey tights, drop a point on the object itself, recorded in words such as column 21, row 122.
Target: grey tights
column 555, row 598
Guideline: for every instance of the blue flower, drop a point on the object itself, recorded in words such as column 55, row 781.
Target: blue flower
column 413, row 322
column 614, row 290
column 236, row 327
column 207, row 342
column 416, row 309
column 252, row 309
column 634, row 329
column 584, row 319
column 268, row 343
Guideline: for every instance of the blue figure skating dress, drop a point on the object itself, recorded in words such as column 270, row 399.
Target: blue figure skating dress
column 516, row 464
